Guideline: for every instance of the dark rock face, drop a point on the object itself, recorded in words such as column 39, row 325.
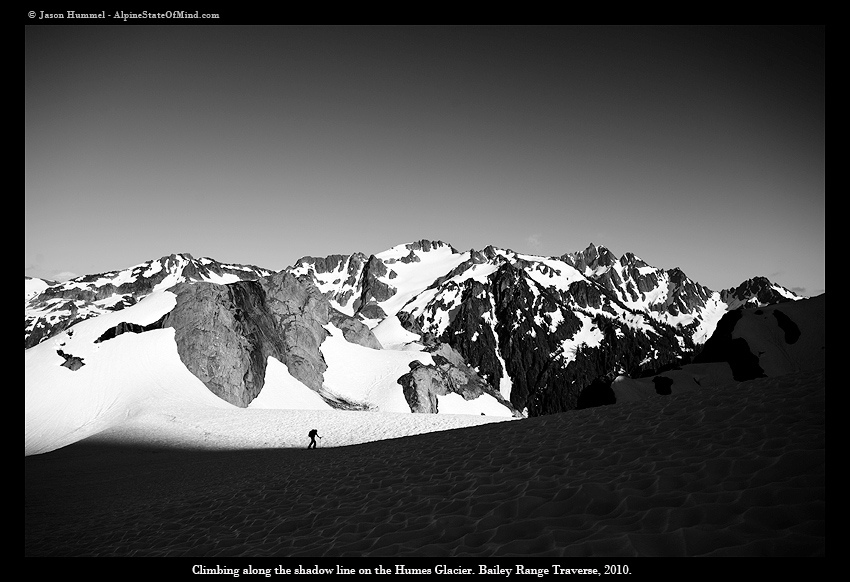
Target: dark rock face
column 526, row 346
column 469, row 334
column 512, row 319
column 373, row 290
column 427, row 245
column 586, row 294
column 328, row 264
column 640, row 282
column 125, row 327
column 638, row 279
column 685, row 295
column 590, row 258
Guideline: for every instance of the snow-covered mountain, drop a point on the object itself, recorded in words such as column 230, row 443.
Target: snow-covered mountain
column 51, row 307
column 756, row 292
column 421, row 327
column 539, row 329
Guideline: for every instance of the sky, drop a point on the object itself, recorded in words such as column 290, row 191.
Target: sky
column 694, row 147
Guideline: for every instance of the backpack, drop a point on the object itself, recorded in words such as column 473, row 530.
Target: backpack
column 312, row 433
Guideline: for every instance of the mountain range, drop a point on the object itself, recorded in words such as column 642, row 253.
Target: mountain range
column 421, row 327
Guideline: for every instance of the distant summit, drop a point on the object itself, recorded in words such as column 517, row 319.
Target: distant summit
column 757, row 292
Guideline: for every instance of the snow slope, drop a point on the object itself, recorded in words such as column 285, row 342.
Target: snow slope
column 136, row 386
column 33, row 287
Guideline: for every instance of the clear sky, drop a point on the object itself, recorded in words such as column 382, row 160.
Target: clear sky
column 696, row 147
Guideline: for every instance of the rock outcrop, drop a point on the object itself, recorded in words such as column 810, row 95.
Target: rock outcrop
column 354, row 331
column 73, row 363
column 221, row 333
column 421, row 387
column 425, row 383
column 127, row 327
column 226, row 333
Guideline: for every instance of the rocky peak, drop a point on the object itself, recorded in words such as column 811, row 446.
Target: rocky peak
column 322, row 265
column 425, row 245
column 630, row 260
column 677, row 276
column 590, row 259
column 490, row 252
column 757, row 292
column 180, row 257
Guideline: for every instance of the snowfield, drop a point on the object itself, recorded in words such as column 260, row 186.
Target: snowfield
column 134, row 387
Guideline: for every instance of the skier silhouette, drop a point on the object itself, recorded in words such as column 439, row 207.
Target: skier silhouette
column 313, row 434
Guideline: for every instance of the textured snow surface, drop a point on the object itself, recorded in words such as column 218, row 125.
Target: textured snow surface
column 736, row 470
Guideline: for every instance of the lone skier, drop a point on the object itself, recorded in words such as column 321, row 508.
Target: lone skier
column 313, row 434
